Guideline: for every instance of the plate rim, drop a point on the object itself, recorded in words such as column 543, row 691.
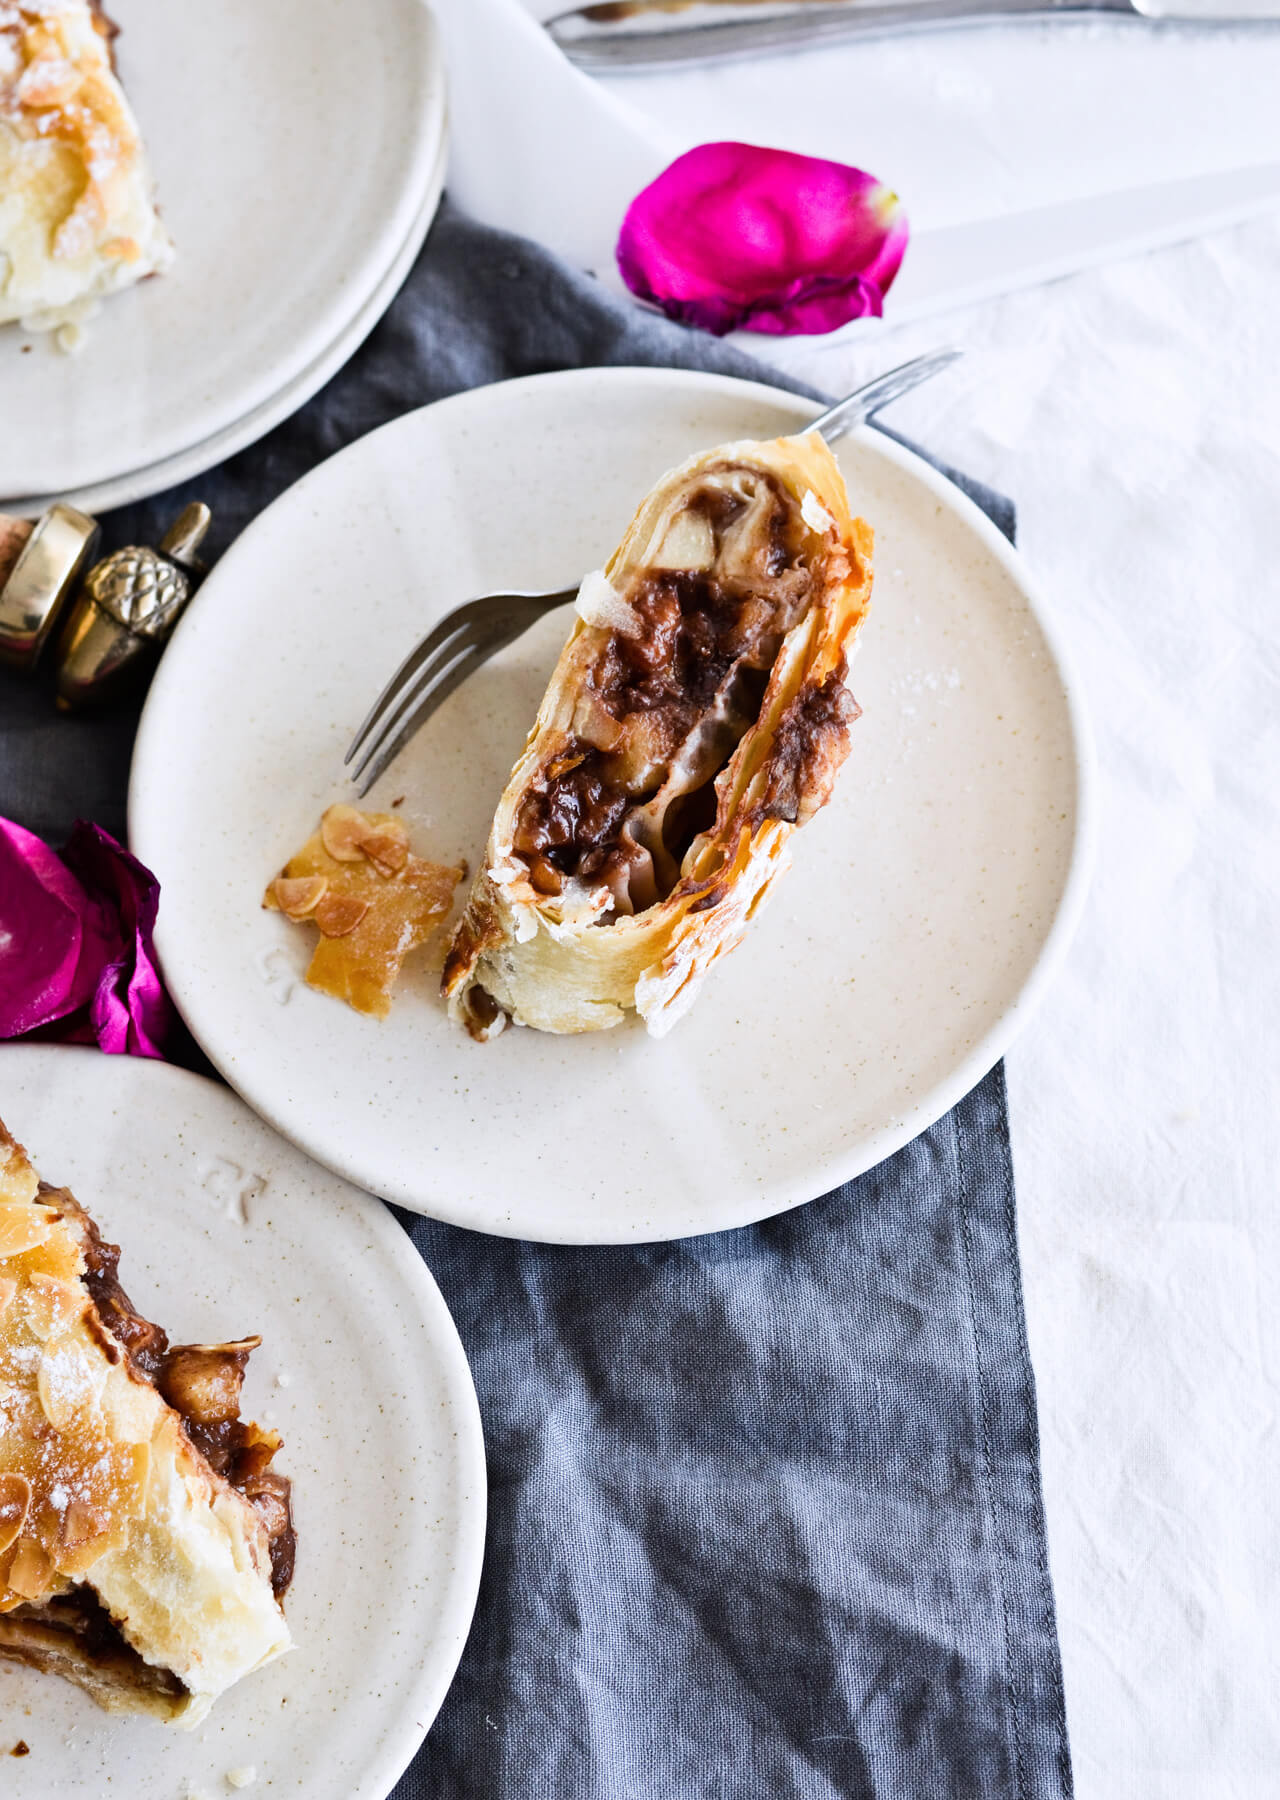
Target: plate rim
column 806, row 1185
column 427, row 116
column 243, row 434
column 425, row 1698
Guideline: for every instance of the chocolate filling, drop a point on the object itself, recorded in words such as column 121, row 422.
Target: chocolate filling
column 664, row 707
column 74, row 1634
column 809, row 745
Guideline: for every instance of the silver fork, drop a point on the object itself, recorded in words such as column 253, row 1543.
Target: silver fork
column 472, row 633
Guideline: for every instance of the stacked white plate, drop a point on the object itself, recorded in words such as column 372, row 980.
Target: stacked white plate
column 299, row 152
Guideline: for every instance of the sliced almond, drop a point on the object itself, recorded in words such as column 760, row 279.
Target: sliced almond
column 22, row 1228
column 8, row 1288
column 18, row 1183
column 299, row 895
column 386, row 852
column 30, row 1570
column 65, row 1385
column 51, row 1306
column 15, row 1498
column 338, row 914
column 81, row 1523
column 343, row 831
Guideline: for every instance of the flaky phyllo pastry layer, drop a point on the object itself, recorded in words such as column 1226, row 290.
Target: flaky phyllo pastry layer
column 145, row 1539
column 76, row 214
column 697, row 716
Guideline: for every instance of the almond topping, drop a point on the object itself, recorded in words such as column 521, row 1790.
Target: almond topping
column 343, row 831
column 299, row 895
column 30, row 1571
column 52, row 1306
column 22, row 1228
column 15, row 1497
column 64, row 1385
column 18, row 1183
column 8, row 1288
column 387, row 853
column 339, row 914
column 81, row 1523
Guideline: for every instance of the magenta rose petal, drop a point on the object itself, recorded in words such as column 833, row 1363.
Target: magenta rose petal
column 48, row 958
column 737, row 236
column 130, row 1010
column 76, row 958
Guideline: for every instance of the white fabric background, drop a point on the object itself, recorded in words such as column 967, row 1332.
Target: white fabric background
column 1134, row 414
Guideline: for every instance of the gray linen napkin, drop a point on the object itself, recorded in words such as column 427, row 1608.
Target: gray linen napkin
column 765, row 1511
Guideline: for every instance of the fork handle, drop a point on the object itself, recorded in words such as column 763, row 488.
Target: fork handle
column 865, row 402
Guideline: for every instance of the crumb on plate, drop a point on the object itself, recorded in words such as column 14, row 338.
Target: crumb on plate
column 372, row 901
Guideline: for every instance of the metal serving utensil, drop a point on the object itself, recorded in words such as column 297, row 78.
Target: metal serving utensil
column 624, row 35
column 473, row 632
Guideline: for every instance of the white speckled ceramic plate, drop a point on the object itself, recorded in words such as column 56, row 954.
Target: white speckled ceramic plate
column 226, row 1229
column 926, row 908
column 134, row 484
column 294, row 146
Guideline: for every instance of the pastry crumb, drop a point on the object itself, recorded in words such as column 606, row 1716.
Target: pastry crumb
column 242, row 1778
column 371, row 899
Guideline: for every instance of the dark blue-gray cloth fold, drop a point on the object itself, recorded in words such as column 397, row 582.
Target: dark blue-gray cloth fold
column 765, row 1513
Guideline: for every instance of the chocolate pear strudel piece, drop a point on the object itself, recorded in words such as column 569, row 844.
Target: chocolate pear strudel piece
column 145, row 1539
column 698, row 715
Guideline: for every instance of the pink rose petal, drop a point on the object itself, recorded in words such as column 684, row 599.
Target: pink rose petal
column 76, row 960
column 738, row 236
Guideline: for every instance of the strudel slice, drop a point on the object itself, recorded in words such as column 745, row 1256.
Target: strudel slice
column 77, row 219
column 145, row 1540
column 698, row 715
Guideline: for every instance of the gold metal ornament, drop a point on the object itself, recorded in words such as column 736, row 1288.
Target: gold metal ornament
column 39, row 567
column 126, row 608
column 107, row 623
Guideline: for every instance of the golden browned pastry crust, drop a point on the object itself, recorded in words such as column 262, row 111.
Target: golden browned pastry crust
column 128, row 1560
column 371, row 899
column 698, row 716
column 77, row 219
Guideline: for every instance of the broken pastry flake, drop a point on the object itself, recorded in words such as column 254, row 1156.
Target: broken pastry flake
column 370, row 898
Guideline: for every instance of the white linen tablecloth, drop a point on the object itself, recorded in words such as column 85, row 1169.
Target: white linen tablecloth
column 1133, row 413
